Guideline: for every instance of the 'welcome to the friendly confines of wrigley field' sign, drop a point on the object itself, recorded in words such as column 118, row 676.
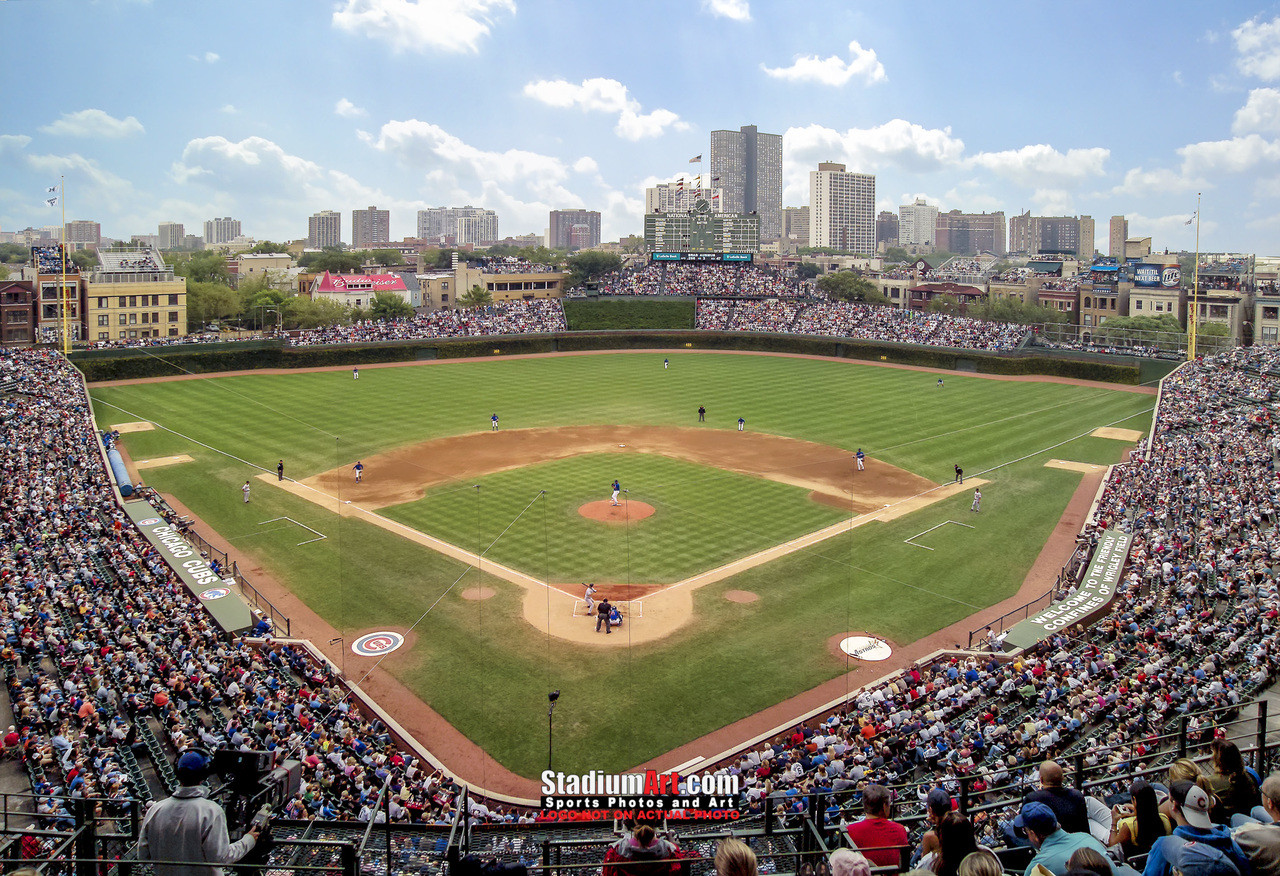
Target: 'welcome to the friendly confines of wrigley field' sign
column 1096, row 591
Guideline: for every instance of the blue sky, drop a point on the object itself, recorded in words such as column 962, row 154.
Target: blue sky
column 270, row 111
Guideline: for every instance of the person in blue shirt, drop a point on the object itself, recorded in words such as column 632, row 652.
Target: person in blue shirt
column 1054, row 846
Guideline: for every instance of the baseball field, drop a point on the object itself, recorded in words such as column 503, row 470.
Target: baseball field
column 730, row 599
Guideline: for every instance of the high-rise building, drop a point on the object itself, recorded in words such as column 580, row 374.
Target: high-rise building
column 324, row 229
column 221, row 230
column 83, row 234
column 370, row 227
column 886, row 228
column 1059, row 235
column 171, row 235
column 917, row 224
column 462, row 224
column 1119, row 233
column 795, row 225
column 561, row 234
column 842, row 209
column 970, row 233
column 747, row 165
column 679, row 197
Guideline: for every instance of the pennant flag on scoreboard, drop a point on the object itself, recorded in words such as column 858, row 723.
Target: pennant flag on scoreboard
column 695, row 159
column 51, row 189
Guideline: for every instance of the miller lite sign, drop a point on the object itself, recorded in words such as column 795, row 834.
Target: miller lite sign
column 1171, row 277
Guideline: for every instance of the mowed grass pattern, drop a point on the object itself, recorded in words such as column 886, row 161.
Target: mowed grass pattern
column 703, row 518
column 487, row 670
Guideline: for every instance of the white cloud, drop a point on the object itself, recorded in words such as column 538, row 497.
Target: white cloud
column 420, row 25
column 229, row 109
column 93, row 123
column 1052, row 202
column 832, row 70
column 348, row 110
column 737, row 10
column 94, row 184
column 1140, row 183
column 1260, row 113
column 586, row 164
column 246, row 162
column 13, row 143
column 1036, row 164
column 606, row 96
column 207, row 57
column 1258, row 45
column 1236, row 155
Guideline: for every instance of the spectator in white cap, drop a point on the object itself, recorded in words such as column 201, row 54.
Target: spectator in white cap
column 1191, row 810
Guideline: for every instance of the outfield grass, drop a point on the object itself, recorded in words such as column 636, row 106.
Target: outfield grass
column 693, row 528
column 488, row 671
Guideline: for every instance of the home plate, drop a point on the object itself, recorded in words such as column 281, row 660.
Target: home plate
column 622, row 445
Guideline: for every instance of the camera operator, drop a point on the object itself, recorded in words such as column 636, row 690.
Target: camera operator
column 190, row 828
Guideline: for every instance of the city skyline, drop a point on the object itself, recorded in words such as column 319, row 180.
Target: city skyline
column 1131, row 110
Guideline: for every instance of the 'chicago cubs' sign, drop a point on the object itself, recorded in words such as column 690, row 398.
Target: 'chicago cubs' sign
column 215, row 593
column 376, row 644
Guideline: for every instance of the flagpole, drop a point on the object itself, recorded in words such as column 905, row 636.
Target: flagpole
column 62, row 294
column 1195, row 291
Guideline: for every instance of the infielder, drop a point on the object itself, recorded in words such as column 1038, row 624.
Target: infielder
column 977, row 499
column 860, row 458
column 358, row 468
column 493, row 423
column 742, row 424
column 245, row 490
column 617, row 488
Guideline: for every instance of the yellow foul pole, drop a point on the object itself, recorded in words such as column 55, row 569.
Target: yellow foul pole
column 1195, row 291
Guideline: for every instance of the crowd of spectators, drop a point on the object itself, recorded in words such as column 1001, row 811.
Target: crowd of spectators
column 107, row 655
column 508, row 318
column 853, row 320
column 707, row 281
column 513, row 265
column 48, row 260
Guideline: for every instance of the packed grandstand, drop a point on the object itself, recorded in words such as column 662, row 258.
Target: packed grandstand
column 111, row 663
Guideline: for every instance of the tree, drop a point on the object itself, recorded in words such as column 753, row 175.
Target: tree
column 211, row 302
column 335, row 262
column 848, row 286
column 268, row 246
column 206, row 266
column 14, row 253
column 1013, row 310
column 476, row 296
column 590, row 265
column 386, row 305
column 633, row 244
column 808, row 270
column 84, row 259
column 385, row 257
column 308, row 313
column 947, row 304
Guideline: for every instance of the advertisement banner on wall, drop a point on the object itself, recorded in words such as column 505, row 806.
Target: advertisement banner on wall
column 1147, row 276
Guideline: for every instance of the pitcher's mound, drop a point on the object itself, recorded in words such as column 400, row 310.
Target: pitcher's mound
column 607, row 512
column 743, row 596
column 475, row 593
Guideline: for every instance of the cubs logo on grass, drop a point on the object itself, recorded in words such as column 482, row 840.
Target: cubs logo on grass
column 376, row 644
column 215, row 593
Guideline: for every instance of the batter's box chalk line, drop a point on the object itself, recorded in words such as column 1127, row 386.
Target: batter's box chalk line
column 911, row 541
column 630, row 608
column 319, row 535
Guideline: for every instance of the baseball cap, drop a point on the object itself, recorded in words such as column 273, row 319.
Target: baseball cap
column 1037, row 817
column 1193, row 802
column 939, row 801
column 1200, row 859
column 193, row 761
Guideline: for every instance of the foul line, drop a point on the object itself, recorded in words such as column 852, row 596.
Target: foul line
column 911, row 541
column 319, row 535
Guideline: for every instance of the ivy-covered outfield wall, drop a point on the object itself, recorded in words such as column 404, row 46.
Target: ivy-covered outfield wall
column 124, row 364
